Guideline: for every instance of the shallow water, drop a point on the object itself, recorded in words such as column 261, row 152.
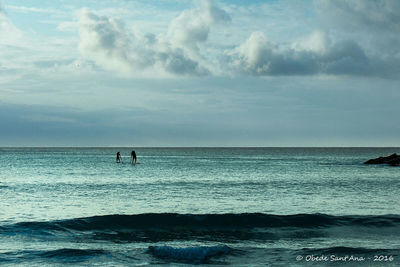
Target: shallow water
column 224, row 205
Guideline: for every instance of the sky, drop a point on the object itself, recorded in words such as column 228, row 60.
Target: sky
column 199, row 73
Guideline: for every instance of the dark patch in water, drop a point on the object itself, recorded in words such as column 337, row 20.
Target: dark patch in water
column 199, row 254
column 69, row 252
column 244, row 220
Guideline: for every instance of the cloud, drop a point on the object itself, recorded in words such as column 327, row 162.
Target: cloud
column 103, row 39
column 192, row 27
column 9, row 34
column 316, row 55
column 373, row 24
column 111, row 45
column 24, row 9
column 317, row 42
column 258, row 56
column 376, row 15
column 362, row 39
column 67, row 26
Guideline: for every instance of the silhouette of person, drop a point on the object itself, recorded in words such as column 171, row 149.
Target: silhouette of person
column 133, row 156
column 118, row 157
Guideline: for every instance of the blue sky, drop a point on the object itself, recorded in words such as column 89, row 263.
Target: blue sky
column 199, row 73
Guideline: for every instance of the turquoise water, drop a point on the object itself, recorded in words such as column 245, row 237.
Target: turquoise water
column 61, row 185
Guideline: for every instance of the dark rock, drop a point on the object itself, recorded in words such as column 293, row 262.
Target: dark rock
column 393, row 160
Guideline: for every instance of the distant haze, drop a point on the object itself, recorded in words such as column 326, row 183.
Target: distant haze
column 200, row 73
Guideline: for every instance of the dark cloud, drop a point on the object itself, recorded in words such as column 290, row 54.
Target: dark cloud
column 175, row 62
column 345, row 58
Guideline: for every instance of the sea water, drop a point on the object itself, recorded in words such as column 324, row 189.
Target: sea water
column 183, row 206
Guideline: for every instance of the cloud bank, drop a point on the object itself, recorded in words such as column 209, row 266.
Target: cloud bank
column 111, row 45
column 365, row 15
column 55, row 94
column 316, row 55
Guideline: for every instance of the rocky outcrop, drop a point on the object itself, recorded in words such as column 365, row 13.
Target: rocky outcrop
column 393, row 160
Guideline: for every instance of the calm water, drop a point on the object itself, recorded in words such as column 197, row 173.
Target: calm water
column 179, row 206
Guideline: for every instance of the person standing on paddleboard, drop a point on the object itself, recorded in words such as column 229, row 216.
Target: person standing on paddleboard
column 133, row 156
column 118, row 157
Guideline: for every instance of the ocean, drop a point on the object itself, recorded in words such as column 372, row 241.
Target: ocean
column 203, row 206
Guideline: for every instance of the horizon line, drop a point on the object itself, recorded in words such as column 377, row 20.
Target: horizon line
column 2, row 147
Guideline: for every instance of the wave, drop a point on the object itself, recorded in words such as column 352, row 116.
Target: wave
column 228, row 220
column 199, row 254
column 63, row 255
column 218, row 227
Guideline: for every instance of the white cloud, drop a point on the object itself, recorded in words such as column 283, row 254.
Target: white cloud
column 67, row 26
column 103, row 39
column 24, row 9
column 9, row 34
column 258, row 56
column 317, row 42
column 193, row 45
column 310, row 56
column 111, row 45
column 360, row 38
column 193, row 26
